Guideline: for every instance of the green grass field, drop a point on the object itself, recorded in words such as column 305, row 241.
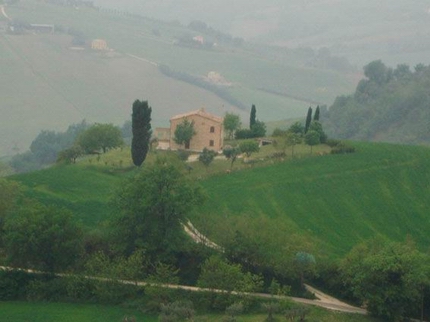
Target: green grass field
column 62, row 312
column 341, row 200
column 332, row 201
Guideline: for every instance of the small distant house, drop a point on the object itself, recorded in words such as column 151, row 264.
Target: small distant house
column 99, row 44
column 199, row 39
column 208, row 127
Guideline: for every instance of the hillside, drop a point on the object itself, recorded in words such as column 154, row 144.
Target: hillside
column 390, row 105
column 395, row 31
column 333, row 202
column 324, row 204
column 59, row 86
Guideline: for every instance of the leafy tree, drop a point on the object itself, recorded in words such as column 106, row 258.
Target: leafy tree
column 243, row 134
column 184, row 132
column 377, row 72
column 100, row 136
column 292, row 139
column 308, row 120
column 70, row 155
column 45, row 238
column 231, row 123
column 218, row 274
column 252, row 116
column 206, row 157
column 248, row 147
column 317, row 127
column 388, row 277
column 46, row 146
column 151, row 207
column 141, row 129
column 317, row 113
column 297, row 128
column 312, row 138
column 231, row 153
column 258, row 130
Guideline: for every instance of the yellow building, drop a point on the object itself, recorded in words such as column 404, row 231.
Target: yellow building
column 99, row 44
column 208, row 127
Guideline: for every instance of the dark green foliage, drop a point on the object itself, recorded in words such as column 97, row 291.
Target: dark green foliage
column 44, row 238
column 297, row 128
column 184, row 132
column 317, row 127
column 231, row 153
column 258, row 130
column 342, row 148
column 150, row 208
column 390, row 105
column 389, row 277
column 141, row 131
column 252, row 116
column 70, row 155
column 100, row 137
column 312, row 138
column 248, row 147
column 308, row 120
column 46, row 147
column 317, row 114
column 216, row 273
column 207, row 156
column 243, row 134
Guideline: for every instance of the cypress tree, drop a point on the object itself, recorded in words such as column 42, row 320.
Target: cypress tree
column 308, row 119
column 141, row 129
column 317, row 114
column 252, row 118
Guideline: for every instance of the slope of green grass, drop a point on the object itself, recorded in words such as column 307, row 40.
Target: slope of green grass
column 331, row 201
column 339, row 199
column 83, row 190
column 62, row 312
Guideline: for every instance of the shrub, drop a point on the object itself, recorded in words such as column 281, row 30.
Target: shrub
column 243, row 134
column 333, row 142
column 342, row 148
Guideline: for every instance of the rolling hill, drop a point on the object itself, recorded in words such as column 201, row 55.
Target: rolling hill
column 47, row 85
column 329, row 202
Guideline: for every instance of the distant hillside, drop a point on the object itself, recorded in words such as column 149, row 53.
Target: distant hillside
column 391, row 105
column 395, row 31
column 47, row 85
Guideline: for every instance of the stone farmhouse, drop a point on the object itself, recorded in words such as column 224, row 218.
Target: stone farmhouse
column 208, row 127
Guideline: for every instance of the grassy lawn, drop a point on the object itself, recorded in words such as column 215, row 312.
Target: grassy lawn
column 62, row 312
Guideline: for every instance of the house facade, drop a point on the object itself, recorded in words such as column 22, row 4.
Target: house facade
column 208, row 127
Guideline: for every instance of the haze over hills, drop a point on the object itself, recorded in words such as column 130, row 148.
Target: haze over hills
column 395, row 31
column 321, row 47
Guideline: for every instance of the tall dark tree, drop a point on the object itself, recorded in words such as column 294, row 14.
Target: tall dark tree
column 141, row 129
column 308, row 119
column 317, row 114
column 253, row 116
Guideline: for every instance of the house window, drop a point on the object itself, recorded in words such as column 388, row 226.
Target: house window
column 212, row 129
column 211, row 143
